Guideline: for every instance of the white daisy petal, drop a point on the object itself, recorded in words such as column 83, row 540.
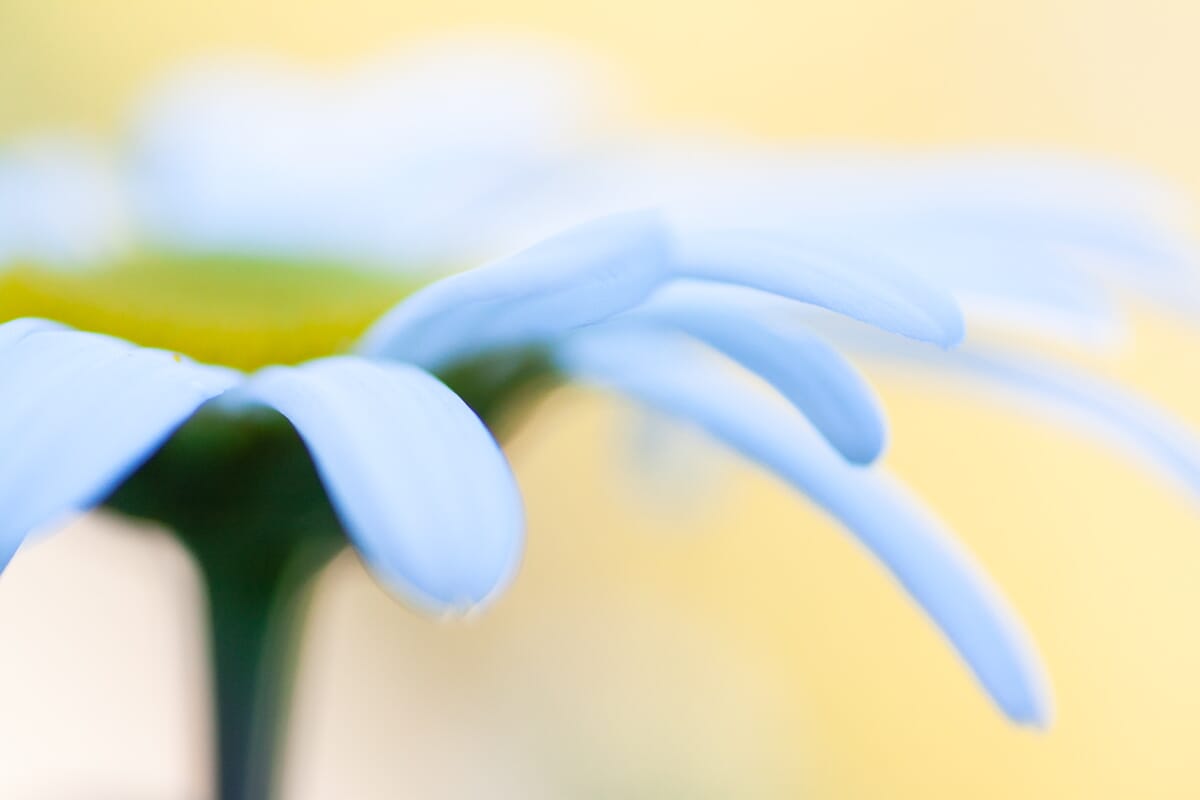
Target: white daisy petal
column 62, row 203
column 78, row 413
column 935, row 570
column 420, row 485
column 578, row 277
column 1078, row 400
column 804, row 368
column 850, row 283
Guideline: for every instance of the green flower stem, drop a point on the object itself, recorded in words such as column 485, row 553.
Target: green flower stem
column 239, row 490
column 240, row 493
column 255, row 610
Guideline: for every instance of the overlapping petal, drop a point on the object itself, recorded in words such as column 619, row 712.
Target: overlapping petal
column 804, row 368
column 1010, row 283
column 420, row 485
column 601, row 268
column 396, row 161
column 838, row 278
column 576, row 278
column 78, row 413
column 937, row 572
column 1068, row 395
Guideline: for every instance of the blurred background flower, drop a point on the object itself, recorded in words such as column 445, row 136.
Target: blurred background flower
column 710, row 683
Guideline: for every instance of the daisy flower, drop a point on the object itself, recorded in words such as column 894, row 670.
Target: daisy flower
column 234, row 354
column 1040, row 252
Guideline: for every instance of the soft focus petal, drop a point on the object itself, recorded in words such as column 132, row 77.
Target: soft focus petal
column 595, row 270
column 1037, row 196
column 1081, row 400
column 396, row 161
column 1010, row 283
column 419, row 483
column 62, row 203
column 806, row 370
column 1051, row 207
column 581, row 276
column 14, row 330
column 938, row 573
column 78, row 413
column 850, row 283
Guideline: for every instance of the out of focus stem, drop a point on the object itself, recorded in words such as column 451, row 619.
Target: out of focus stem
column 240, row 493
column 238, row 488
column 255, row 613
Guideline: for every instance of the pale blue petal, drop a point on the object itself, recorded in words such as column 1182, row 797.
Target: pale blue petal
column 62, row 203
column 1010, row 283
column 420, row 485
column 859, row 286
column 1052, row 388
column 805, row 369
column 400, row 161
column 78, row 413
column 16, row 329
column 578, row 277
column 1028, row 197
column 1081, row 400
column 1126, row 224
column 938, row 573
column 1057, row 198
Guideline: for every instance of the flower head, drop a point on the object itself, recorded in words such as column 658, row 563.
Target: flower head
column 361, row 402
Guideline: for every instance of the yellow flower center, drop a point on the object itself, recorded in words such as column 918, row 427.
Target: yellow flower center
column 237, row 311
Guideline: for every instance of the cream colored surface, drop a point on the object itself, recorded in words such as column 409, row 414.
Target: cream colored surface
column 745, row 648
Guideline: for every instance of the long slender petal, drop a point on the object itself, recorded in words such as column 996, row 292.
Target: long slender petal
column 419, row 483
column 78, row 413
column 935, row 570
column 806, row 370
column 850, row 283
column 575, row 278
column 1080, row 399
column 1080, row 202
column 1010, row 283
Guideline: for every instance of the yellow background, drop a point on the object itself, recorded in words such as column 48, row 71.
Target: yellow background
column 735, row 646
